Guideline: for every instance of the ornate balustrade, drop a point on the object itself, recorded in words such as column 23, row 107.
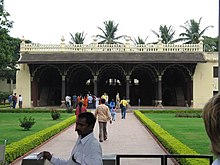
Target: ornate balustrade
column 95, row 47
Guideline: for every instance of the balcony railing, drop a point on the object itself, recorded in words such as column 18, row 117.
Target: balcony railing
column 95, row 47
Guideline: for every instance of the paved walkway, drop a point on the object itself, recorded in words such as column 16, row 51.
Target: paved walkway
column 125, row 136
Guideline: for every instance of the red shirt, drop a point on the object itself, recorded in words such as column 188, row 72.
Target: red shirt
column 83, row 109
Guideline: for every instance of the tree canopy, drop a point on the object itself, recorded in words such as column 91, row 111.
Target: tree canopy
column 109, row 33
column 166, row 33
column 9, row 46
column 77, row 38
column 192, row 32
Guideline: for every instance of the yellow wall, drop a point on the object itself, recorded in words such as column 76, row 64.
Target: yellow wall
column 5, row 87
column 23, row 85
column 203, row 81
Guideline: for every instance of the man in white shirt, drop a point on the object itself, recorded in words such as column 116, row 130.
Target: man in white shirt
column 68, row 101
column 87, row 150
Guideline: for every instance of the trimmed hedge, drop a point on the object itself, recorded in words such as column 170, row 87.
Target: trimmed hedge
column 17, row 149
column 29, row 110
column 172, row 111
column 173, row 145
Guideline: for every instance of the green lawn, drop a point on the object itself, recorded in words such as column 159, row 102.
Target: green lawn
column 10, row 129
column 190, row 131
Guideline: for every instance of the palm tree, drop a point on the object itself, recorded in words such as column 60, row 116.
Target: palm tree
column 192, row 32
column 165, row 33
column 139, row 40
column 77, row 38
column 109, row 33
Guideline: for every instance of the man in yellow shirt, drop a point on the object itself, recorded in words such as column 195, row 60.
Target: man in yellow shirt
column 123, row 106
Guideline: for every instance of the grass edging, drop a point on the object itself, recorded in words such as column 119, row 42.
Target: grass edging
column 173, row 145
column 17, row 149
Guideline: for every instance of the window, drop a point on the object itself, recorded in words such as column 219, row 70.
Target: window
column 215, row 71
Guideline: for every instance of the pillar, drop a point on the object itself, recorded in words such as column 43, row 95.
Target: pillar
column 127, row 88
column 34, row 92
column 95, row 90
column 63, row 92
column 160, row 91
column 191, row 91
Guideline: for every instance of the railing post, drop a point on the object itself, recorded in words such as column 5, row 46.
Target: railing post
column 22, row 44
column 160, row 45
column 62, row 44
column 201, row 44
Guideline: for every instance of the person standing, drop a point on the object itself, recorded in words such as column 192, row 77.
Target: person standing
column 14, row 100
column 80, row 109
column 74, row 101
column 10, row 100
column 68, row 102
column 90, row 99
column 123, row 106
column 103, row 114
column 211, row 117
column 97, row 101
column 117, row 99
column 87, row 150
column 20, row 101
column 113, row 113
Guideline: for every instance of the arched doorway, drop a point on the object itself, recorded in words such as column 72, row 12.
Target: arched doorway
column 174, row 85
column 79, row 80
column 49, row 88
column 111, row 79
column 142, row 85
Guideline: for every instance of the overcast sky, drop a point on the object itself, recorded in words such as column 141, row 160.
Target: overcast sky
column 45, row 21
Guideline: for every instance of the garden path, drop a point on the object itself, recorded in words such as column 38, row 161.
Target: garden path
column 125, row 136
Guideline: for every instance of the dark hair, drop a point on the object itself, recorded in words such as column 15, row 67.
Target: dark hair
column 90, row 118
column 103, row 101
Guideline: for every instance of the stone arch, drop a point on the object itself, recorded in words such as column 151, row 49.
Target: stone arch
column 174, row 84
column 49, row 88
column 111, row 79
column 142, row 84
column 39, row 69
column 79, row 79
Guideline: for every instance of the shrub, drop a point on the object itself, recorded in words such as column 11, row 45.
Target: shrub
column 55, row 114
column 173, row 145
column 26, row 122
column 19, row 148
column 189, row 115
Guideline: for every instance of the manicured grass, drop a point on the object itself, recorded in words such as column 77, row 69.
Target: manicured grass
column 190, row 131
column 10, row 129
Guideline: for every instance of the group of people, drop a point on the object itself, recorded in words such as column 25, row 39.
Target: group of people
column 89, row 101
column 87, row 150
column 13, row 99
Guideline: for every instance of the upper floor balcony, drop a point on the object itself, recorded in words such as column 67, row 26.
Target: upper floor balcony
column 95, row 47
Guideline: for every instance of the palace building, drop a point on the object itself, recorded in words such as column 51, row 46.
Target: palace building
column 147, row 75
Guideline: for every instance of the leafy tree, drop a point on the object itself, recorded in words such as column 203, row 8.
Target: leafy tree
column 9, row 46
column 165, row 33
column 192, row 32
column 139, row 40
column 109, row 32
column 210, row 44
column 77, row 38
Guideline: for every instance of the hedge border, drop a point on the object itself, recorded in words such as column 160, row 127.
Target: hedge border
column 17, row 149
column 173, row 145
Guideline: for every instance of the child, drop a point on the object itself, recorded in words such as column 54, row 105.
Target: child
column 113, row 113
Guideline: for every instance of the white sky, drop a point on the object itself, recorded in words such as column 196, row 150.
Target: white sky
column 45, row 21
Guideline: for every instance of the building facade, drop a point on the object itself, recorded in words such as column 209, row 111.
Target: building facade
column 147, row 75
